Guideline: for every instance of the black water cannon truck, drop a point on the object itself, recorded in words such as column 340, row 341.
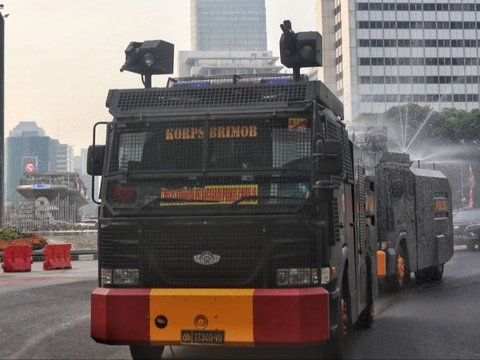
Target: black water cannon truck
column 415, row 221
column 235, row 211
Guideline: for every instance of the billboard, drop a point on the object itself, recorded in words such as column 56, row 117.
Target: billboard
column 30, row 164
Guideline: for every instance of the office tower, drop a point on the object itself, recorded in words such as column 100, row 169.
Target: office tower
column 228, row 37
column 219, row 25
column 29, row 150
column 380, row 54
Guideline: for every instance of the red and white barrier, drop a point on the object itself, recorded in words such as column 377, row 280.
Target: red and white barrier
column 17, row 259
column 57, row 257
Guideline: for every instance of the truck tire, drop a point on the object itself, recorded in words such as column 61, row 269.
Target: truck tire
column 146, row 352
column 431, row 274
column 335, row 348
column 335, row 345
column 421, row 276
column 435, row 273
column 365, row 319
column 471, row 246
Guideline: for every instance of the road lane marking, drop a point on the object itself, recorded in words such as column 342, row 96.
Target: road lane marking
column 13, row 281
column 35, row 340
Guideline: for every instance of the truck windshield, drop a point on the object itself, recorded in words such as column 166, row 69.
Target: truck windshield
column 195, row 164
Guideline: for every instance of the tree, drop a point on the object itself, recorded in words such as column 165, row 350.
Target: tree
column 413, row 124
column 450, row 139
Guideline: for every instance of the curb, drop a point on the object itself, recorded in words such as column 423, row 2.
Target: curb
column 76, row 255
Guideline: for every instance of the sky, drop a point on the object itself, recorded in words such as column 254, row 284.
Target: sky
column 62, row 56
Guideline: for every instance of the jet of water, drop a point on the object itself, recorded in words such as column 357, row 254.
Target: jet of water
column 442, row 98
column 420, row 129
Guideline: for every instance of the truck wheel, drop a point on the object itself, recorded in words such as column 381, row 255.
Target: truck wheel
column 365, row 320
column 471, row 246
column 421, row 276
column 436, row 273
column 431, row 274
column 335, row 345
column 146, row 352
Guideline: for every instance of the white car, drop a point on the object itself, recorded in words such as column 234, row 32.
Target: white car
column 88, row 223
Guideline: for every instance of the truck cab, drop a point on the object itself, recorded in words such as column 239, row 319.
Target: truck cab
column 226, row 201
column 233, row 210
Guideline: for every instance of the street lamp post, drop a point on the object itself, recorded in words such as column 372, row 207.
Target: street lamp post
column 2, row 114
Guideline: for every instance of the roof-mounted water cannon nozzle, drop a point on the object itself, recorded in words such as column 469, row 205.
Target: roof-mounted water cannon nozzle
column 153, row 57
column 300, row 50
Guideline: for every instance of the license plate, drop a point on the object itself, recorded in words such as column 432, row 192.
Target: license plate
column 202, row 337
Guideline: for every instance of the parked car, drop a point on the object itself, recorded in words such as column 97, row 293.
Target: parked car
column 466, row 228
column 60, row 223
column 87, row 223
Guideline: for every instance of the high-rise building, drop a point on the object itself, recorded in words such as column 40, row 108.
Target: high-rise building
column 384, row 53
column 65, row 158
column 211, row 63
column 27, row 128
column 228, row 37
column 29, row 150
column 219, row 25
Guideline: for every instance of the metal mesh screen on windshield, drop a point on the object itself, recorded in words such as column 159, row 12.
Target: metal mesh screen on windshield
column 186, row 164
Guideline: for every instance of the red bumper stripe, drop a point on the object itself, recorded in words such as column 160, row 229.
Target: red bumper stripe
column 295, row 316
column 280, row 316
column 120, row 316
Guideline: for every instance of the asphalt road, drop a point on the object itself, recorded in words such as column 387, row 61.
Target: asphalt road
column 435, row 321
column 46, row 316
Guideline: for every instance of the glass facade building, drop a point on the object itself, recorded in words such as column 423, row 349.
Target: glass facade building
column 238, row 25
column 228, row 37
column 29, row 150
column 380, row 54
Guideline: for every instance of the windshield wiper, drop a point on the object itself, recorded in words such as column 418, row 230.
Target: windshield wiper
column 256, row 197
column 213, row 202
column 173, row 200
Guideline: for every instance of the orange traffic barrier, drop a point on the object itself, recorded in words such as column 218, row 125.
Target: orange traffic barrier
column 17, row 259
column 57, row 257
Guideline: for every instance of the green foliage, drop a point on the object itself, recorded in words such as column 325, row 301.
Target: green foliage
column 448, row 126
column 463, row 126
column 6, row 234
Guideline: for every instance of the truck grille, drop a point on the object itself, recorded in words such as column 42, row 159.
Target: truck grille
column 249, row 253
column 118, row 246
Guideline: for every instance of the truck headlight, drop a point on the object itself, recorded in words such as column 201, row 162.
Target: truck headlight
column 126, row 277
column 122, row 277
column 106, row 277
column 297, row 277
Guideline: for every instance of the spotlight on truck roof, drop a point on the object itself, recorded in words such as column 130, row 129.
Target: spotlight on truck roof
column 300, row 50
column 153, row 57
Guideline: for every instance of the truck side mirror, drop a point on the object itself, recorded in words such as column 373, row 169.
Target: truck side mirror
column 328, row 157
column 95, row 158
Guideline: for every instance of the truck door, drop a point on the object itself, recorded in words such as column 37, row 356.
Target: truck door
column 361, row 239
